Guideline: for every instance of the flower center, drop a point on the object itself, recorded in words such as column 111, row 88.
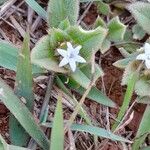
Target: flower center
column 71, row 55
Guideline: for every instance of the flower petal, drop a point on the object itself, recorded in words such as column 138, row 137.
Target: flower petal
column 72, row 64
column 63, row 62
column 77, row 49
column 147, row 63
column 80, row 59
column 69, row 45
column 141, row 57
column 62, row 52
column 147, row 48
column 70, row 48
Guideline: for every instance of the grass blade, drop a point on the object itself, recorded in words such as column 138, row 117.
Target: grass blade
column 97, row 96
column 99, row 132
column 22, row 114
column 143, row 129
column 23, row 89
column 95, row 131
column 57, row 136
column 127, row 98
column 37, row 8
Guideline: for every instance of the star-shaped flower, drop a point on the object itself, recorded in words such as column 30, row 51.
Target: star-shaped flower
column 145, row 56
column 70, row 56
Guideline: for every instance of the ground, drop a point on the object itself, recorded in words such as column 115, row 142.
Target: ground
column 110, row 84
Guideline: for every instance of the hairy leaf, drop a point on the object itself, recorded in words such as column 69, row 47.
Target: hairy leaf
column 103, row 8
column 116, row 30
column 138, row 32
column 59, row 10
column 43, row 55
column 129, row 70
column 123, row 63
column 142, row 87
column 140, row 11
column 91, row 41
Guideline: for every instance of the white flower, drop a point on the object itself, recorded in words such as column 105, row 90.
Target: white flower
column 145, row 56
column 1, row 91
column 70, row 56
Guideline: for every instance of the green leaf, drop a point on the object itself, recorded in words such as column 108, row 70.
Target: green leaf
column 23, row 115
column 138, row 32
column 97, row 96
column 5, row 146
column 116, row 30
column 105, row 46
column 128, row 43
column 146, row 148
column 91, row 41
column 124, row 52
column 43, row 56
column 143, row 100
column 96, row 131
column 37, row 8
column 23, row 89
column 24, row 79
column 59, row 10
column 3, row 1
column 143, row 130
column 64, row 24
column 140, row 11
column 82, row 112
column 99, row 22
column 127, row 98
column 129, row 70
column 103, row 8
column 57, row 135
column 142, row 87
column 123, row 63
column 8, row 57
column 99, row 132
column 84, row 74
